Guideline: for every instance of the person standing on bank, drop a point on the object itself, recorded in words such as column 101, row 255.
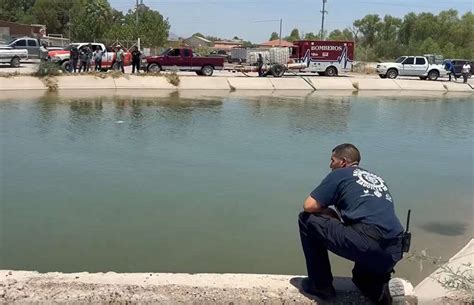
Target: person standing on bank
column 136, row 56
column 119, row 58
column 74, row 55
column 450, row 68
column 466, row 69
column 260, row 64
column 98, row 59
column 368, row 233
column 84, row 58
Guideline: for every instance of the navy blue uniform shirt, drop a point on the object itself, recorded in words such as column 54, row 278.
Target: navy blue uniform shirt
column 361, row 197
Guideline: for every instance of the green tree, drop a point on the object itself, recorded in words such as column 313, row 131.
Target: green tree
column 389, row 28
column 294, row 35
column 274, row 36
column 369, row 26
column 429, row 46
column 152, row 28
column 91, row 19
column 311, row 36
column 345, row 34
column 53, row 13
column 405, row 33
column 17, row 10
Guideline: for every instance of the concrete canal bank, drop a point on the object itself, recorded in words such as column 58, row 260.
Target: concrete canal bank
column 180, row 288
column 163, row 288
column 297, row 83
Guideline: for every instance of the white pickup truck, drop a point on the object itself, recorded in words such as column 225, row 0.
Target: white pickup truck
column 61, row 57
column 9, row 55
column 411, row 66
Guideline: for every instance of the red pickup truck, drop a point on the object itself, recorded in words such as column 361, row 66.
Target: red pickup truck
column 184, row 59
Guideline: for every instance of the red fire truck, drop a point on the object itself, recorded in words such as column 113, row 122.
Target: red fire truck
column 324, row 57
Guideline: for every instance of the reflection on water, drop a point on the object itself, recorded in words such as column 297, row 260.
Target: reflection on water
column 187, row 184
column 448, row 229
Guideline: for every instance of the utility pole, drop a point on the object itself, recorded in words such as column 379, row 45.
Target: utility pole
column 323, row 12
column 136, row 12
column 281, row 22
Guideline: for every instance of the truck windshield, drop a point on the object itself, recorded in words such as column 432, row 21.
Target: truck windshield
column 400, row 59
column 165, row 51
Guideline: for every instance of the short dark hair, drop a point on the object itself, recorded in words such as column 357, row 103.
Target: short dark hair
column 347, row 151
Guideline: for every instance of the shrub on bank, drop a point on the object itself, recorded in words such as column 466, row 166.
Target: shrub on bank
column 47, row 68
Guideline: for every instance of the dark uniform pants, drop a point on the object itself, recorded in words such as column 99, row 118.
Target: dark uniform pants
column 374, row 260
column 135, row 64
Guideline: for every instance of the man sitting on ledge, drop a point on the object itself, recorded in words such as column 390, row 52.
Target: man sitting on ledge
column 369, row 234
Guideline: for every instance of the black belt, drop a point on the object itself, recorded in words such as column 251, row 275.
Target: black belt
column 373, row 233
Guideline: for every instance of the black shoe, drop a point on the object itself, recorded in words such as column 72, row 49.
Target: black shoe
column 393, row 293
column 325, row 294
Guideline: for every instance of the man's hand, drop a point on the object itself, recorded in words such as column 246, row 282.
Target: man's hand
column 311, row 205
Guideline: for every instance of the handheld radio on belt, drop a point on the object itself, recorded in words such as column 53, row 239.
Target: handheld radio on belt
column 406, row 237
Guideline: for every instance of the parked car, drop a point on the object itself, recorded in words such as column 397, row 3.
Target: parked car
column 183, row 59
column 32, row 45
column 458, row 63
column 61, row 57
column 411, row 66
column 12, row 56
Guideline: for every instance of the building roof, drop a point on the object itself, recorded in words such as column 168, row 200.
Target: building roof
column 233, row 42
column 276, row 43
column 200, row 38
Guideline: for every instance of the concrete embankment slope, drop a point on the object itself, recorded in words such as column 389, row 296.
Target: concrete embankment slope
column 459, row 269
column 229, row 83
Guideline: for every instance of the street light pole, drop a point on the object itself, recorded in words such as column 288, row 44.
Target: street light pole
column 136, row 12
column 281, row 22
column 323, row 12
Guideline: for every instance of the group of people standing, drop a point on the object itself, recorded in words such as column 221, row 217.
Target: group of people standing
column 86, row 55
column 465, row 70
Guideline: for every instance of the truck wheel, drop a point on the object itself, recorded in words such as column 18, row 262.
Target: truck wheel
column 66, row 66
column 154, row 68
column 15, row 62
column 433, row 75
column 331, row 71
column 383, row 75
column 392, row 73
column 207, row 70
column 277, row 70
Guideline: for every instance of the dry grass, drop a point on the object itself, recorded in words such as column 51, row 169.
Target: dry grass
column 9, row 74
column 173, row 78
column 364, row 68
column 150, row 74
column 51, row 83
column 48, row 69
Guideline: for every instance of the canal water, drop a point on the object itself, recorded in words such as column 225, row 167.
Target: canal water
column 215, row 184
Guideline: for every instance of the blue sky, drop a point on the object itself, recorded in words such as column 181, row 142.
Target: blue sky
column 229, row 18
